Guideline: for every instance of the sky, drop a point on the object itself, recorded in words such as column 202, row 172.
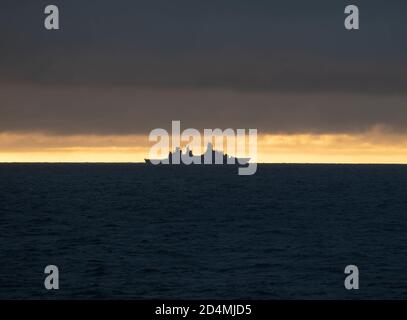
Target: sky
column 93, row 90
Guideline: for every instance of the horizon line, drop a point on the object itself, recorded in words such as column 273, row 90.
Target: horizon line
column 259, row 163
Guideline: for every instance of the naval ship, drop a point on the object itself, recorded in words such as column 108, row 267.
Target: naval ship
column 212, row 156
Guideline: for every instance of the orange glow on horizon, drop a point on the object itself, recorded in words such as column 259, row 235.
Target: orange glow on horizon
column 371, row 147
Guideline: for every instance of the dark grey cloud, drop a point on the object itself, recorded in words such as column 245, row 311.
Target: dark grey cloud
column 234, row 44
column 131, row 66
column 89, row 110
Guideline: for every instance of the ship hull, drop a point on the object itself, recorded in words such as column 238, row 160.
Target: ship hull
column 240, row 162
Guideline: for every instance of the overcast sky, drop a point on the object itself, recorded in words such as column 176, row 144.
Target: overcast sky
column 120, row 67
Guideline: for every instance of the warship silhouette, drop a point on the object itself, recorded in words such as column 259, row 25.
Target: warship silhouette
column 210, row 156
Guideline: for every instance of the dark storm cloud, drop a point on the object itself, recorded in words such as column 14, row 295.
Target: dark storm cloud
column 275, row 65
column 239, row 44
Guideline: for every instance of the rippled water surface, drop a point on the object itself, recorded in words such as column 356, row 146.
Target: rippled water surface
column 134, row 231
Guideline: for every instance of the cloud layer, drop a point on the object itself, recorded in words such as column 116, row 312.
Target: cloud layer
column 126, row 67
column 79, row 110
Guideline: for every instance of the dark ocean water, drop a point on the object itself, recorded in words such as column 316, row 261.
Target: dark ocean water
column 139, row 232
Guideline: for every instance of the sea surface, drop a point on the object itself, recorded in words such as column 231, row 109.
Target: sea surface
column 132, row 231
